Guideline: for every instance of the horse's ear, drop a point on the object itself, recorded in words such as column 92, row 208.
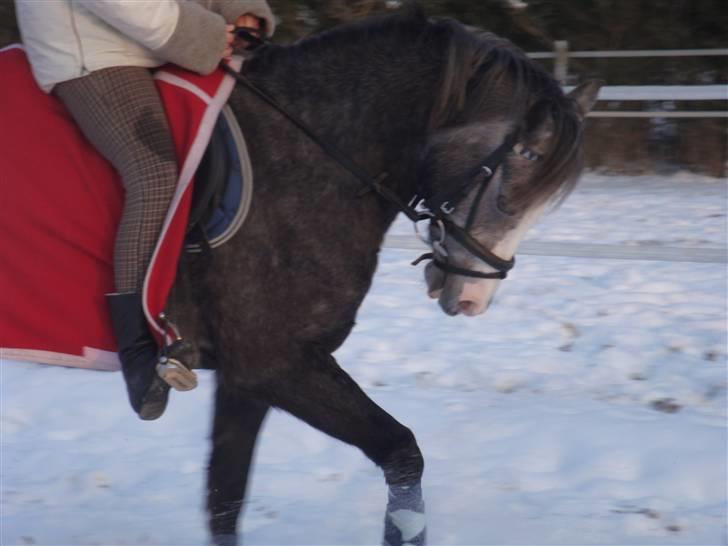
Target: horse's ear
column 586, row 96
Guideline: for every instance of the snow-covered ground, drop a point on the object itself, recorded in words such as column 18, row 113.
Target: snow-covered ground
column 588, row 406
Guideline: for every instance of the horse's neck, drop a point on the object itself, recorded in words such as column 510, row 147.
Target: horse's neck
column 373, row 107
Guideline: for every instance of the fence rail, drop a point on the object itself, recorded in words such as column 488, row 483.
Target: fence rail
column 718, row 52
column 708, row 255
column 683, row 114
column 561, row 56
column 662, row 92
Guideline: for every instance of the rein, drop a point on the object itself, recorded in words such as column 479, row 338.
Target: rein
column 440, row 206
column 435, row 209
column 373, row 183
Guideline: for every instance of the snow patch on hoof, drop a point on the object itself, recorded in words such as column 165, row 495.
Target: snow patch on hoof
column 409, row 523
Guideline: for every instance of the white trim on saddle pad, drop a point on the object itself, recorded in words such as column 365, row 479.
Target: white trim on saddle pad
column 184, row 84
column 188, row 169
column 91, row 359
column 12, row 46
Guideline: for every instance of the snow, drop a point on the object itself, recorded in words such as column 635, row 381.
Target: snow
column 588, row 406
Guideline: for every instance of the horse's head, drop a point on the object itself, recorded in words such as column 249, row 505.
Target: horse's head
column 490, row 180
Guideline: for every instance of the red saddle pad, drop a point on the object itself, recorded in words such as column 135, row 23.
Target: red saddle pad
column 60, row 204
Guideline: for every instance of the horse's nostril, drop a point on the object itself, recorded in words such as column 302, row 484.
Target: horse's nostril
column 466, row 307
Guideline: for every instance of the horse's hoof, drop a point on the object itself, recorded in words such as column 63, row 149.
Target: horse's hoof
column 405, row 528
column 225, row 540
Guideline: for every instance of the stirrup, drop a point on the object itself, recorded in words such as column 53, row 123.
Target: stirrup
column 172, row 371
column 175, row 374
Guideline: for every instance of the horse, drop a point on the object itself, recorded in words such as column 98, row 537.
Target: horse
column 460, row 127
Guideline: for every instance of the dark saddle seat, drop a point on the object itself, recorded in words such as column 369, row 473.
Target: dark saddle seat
column 223, row 187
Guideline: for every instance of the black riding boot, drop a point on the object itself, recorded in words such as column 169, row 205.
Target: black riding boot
column 139, row 354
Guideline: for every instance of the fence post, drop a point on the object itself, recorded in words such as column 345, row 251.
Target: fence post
column 561, row 60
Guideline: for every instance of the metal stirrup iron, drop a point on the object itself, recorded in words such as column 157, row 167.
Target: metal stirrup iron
column 172, row 371
column 175, row 374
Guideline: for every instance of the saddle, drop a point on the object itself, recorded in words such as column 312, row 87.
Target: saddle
column 60, row 214
column 223, row 187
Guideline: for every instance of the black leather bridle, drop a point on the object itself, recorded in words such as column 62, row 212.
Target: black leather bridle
column 436, row 208
column 439, row 207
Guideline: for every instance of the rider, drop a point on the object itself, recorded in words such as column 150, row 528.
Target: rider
column 95, row 56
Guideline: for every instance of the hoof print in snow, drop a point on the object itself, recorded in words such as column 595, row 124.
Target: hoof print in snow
column 666, row 405
column 711, row 356
column 648, row 512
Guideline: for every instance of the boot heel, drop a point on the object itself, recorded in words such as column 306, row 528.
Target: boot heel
column 155, row 400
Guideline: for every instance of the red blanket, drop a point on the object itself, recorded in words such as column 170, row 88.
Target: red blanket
column 60, row 204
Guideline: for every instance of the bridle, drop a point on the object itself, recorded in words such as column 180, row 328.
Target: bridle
column 437, row 208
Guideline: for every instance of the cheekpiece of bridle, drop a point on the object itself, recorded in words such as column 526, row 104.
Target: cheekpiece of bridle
column 435, row 209
column 438, row 208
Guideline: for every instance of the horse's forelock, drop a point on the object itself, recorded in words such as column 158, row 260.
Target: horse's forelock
column 562, row 163
column 480, row 64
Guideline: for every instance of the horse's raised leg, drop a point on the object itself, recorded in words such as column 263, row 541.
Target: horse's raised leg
column 236, row 426
column 322, row 394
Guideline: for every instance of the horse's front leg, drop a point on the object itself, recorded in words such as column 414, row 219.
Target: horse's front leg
column 236, row 425
column 319, row 392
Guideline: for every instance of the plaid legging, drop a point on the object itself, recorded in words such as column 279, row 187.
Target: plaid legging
column 120, row 112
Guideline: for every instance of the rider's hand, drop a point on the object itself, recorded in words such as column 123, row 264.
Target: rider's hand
column 229, row 41
column 251, row 22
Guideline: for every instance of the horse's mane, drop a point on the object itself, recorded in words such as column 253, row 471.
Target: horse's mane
column 475, row 64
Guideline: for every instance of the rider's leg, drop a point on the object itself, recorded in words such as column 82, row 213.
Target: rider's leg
column 120, row 112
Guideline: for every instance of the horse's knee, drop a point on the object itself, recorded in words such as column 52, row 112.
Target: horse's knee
column 404, row 464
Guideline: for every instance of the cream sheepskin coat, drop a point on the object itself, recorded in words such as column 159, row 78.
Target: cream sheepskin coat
column 67, row 39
